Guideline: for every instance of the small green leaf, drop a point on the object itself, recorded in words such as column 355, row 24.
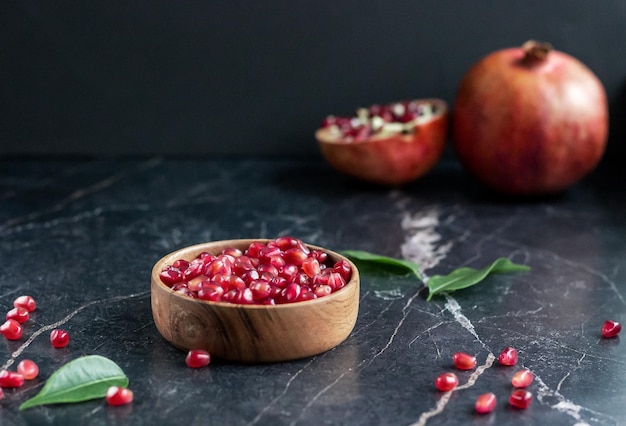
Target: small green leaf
column 371, row 258
column 82, row 379
column 467, row 277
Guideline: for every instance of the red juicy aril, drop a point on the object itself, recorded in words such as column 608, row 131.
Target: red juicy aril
column 283, row 270
column 388, row 144
column 530, row 120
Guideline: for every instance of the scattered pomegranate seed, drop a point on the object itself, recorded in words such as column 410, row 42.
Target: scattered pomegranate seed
column 522, row 378
column 446, row 382
column 508, row 356
column 11, row 379
column 611, row 328
column 464, row 361
column 521, row 398
column 119, row 396
column 19, row 314
column 485, row 403
column 197, row 358
column 59, row 338
column 1, row 393
column 25, row 302
column 11, row 329
column 28, row 369
column 283, row 270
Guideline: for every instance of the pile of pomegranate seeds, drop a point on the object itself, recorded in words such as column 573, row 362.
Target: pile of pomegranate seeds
column 283, row 270
column 611, row 328
column 486, row 403
column 394, row 118
column 12, row 328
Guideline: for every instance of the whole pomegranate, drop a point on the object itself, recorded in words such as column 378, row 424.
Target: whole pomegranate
column 530, row 120
column 390, row 144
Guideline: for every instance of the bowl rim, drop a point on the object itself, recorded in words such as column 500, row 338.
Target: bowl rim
column 158, row 266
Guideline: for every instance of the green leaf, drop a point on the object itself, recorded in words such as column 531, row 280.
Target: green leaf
column 82, row 379
column 376, row 259
column 467, row 277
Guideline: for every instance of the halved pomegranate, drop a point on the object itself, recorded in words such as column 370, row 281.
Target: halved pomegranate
column 388, row 144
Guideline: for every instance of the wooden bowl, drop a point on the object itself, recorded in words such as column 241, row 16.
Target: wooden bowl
column 253, row 333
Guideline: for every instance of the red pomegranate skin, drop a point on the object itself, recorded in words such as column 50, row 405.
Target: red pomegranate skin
column 395, row 160
column 530, row 126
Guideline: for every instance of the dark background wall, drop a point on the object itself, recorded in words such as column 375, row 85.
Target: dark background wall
column 196, row 77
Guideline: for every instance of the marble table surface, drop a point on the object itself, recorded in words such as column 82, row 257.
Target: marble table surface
column 81, row 236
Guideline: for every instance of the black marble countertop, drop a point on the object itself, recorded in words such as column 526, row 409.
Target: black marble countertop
column 81, row 237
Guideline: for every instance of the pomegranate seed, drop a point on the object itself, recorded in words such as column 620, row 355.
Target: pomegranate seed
column 197, row 283
column 295, row 256
column 250, row 276
column 344, row 269
column 235, row 282
column 464, row 361
column 522, row 378
column 291, row 292
column 219, row 266
column 521, row 398
column 18, row 314
column 268, row 268
column 25, row 302
column 611, row 328
column 266, row 253
column 231, row 251
column 485, row 403
column 508, row 356
column 335, row 281
column 323, row 290
column 197, row 358
column 207, row 257
column 11, row 329
column 59, row 338
column 180, row 264
column 446, row 382
column 260, row 289
column 170, row 276
column 119, row 396
column 254, row 249
column 285, row 243
column 277, row 262
column 11, row 379
column 289, row 272
column 239, row 296
column 28, row 369
column 211, row 291
column 242, row 264
column 306, row 294
column 319, row 255
column 1, row 393
column 311, row 266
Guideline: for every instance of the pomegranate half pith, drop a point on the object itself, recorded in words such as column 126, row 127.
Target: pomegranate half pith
column 389, row 144
column 530, row 120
